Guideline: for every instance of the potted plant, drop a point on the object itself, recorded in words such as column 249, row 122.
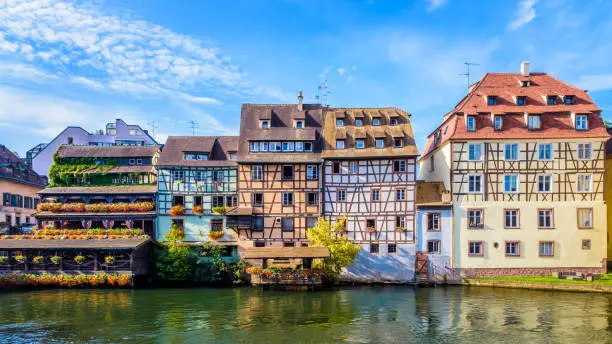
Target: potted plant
column 4, row 259
column 79, row 259
column 177, row 210
column 198, row 210
column 38, row 259
column 400, row 229
column 371, row 230
column 220, row 210
column 109, row 260
column 56, row 260
column 215, row 235
column 20, row 259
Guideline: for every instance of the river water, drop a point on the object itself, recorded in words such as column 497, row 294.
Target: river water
column 353, row 315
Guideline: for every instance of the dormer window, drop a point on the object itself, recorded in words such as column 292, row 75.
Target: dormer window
column 491, row 100
column 551, row 100
column 376, row 122
column 233, row 155
column 360, row 143
column 339, row 144
column 380, row 143
column 568, row 100
column 498, row 122
column 299, row 124
column 265, row 124
column 471, row 123
column 196, row 156
column 582, row 122
column 398, row 142
column 393, row 121
column 533, row 122
column 521, row 100
column 436, row 138
column 339, row 123
column 358, row 122
column 525, row 83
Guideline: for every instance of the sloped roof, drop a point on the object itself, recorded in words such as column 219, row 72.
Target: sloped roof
column 285, row 252
column 119, row 189
column 72, row 151
column 218, row 148
column 14, row 169
column 432, row 194
column 42, row 244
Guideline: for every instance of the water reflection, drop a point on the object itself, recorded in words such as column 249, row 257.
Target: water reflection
column 357, row 315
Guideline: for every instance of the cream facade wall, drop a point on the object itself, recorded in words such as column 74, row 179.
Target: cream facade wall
column 608, row 197
column 441, row 170
column 13, row 213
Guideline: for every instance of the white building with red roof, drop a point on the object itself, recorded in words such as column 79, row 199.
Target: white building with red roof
column 523, row 156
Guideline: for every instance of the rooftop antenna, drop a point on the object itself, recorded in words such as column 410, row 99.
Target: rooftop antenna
column 193, row 125
column 326, row 93
column 153, row 127
column 467, row 73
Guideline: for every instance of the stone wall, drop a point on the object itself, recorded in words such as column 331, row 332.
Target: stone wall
column 511, row 272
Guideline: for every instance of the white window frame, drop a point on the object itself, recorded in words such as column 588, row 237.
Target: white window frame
column 472, row 147
column 312, row 172
column 339, row 122
column 580, row 182
column 544, row 253
column 257, row 173
column 376, row 141
column 400, row 194
column 517, row 184
column 518, row 151
column 535, row 118
column 513, row 244
column 582, row 122
column 253, row 146
column 436, row 245
column 471, row 125
column 481, row 179
column 341, row 195
column 551, row 179
column 584, row 147
column 360, row 143
column 275, row 146
column 501, row 122
column 358, row 122
column 353, row 167
column 340, row 144
column 552, row 154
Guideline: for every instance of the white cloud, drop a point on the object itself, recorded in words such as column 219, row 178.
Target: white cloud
column 595, row 82
column 525, row 14
column 435, row 4
column 341, row 71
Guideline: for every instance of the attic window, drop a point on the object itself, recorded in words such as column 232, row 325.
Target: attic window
column 376, row 122
column 551, row 100
column 233, row 155
column 533, row 122
column 521, row 100
column 339, row 123
column 358, row 122
column 498, row 122
column 491, row 100
column 471, row 123
column 398, row 143
column 196, row 156
column 582, row 122
column 360, row 143
column 265, row 124
column 339, row 144
column 525, row 83
column 436, row 138
column 299, row 124
column 393, row 121
column 568, row 100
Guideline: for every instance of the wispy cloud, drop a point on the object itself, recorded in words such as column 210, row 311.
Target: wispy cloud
column 595, row 82
column 341, row 71
column 525, row 14
column 434, row 4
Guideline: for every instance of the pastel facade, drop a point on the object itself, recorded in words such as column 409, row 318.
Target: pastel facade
column 369, row 178
column 118, row 133
column 18, row 187
column 197, row 171
column 608, row 193
column 523, row 156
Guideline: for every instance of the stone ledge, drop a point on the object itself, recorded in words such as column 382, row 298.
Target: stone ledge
column 588, row 288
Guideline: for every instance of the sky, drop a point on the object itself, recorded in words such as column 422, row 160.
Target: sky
column 162, row 64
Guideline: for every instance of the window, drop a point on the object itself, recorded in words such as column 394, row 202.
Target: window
column 218, row 176
column 568, row 100
column 399, row 166
column 265, row 124
column 433, row 222
column 299, row 146
column 432, row 164
column 400, row 194
column 584, row 182
column 70, row 140
column 197, row 200
column 233, row 155
column 138, row 161
column 498, row 122
column 374, row 248
column 521, row 100
column 218, row 201
column 582, row 122
column 545, row 218
column 287, row 172
column 511, row 218
column 275, row 147
column 475, row 218
column 216, row 225
column 371, row 223
column 358, row 122
column 257, row 173
column 393, row 122
column 198, row 156
column 398, row 142
column 471, row 123
column 253, row 147
column 311, row 198
column 288, row 146
column 180, row 223
column 433, row 246
column 585, row 218
column 258, row 226
column 288, row 244
column 476, row 248
column 178, row 175
column 360, row 143
column 491, row 100
column 353, row 167
column 311, row 222
column 585, row 151
column 259, row 243
column 299, row 124
column 511, row 151
column 307, row 146
column 474, row 151
column 547, row 249
column 513, row 248
column 545, row 183
column 258, row 199
column 376, row 122
column 586, row 244
column 339, row 144
column 391, row 248
column 375, row 195
column 400, row 222
column 475, row 184
column 132, row 161
column 551, row 100
column 339, row 122
column 287, row 198
column 380, row 143
column 178, row 200
column 312, row 172
column 134, row 132
column 511, row 183
column 336, row 167
column 341, row 196
column 287, row 224
column 545, row 151
column 533, row 122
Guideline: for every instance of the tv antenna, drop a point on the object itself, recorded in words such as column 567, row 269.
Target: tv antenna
column 467, row 73
column 325, row 88
column 153, row 127
column 193, row 125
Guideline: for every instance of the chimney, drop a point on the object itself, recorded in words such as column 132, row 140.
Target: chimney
column 525, row 68
column 300, row 99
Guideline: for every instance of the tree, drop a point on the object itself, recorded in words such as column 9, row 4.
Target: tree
column 342, row 250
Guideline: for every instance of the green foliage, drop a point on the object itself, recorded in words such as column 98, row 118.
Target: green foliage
column 214, row 266
column 72, row 171
column 221, row 210
column 608, row 123
column 174, row 261
column 342, row 250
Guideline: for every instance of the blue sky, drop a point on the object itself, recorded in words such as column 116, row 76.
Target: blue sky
column 169, row 62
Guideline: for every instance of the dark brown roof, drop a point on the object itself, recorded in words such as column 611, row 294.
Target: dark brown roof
column 121, row 169
column 285, row 252
column 70, row 151
column 41, row 244
column 282, row 128
column 218, row 148
column 432, row 194
column 14, row 169
column 122, row 189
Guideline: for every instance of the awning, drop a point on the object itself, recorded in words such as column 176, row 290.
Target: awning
column 47, row 244
column 240, row 211
column 285, row 252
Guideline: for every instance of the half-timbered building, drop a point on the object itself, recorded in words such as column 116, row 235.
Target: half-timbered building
column 198, row 175
column 523, row 155
column 369, row 179
column 278, row 174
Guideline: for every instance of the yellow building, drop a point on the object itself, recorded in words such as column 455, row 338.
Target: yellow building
column 608, row 191
column 524, row 157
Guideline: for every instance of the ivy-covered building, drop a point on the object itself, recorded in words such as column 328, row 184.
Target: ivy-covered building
column 197, row 185
column 101, row 187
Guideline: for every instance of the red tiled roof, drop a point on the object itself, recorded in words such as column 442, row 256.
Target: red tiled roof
column 555, row 121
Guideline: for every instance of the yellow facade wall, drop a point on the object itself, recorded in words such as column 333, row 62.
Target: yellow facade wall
column 608, row 197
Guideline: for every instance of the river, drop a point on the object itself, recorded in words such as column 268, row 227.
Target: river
column 352, row 315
